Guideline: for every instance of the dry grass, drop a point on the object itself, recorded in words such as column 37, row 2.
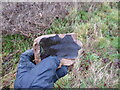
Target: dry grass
column 98, row 75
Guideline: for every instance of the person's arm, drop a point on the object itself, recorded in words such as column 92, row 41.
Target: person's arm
column 42, row 75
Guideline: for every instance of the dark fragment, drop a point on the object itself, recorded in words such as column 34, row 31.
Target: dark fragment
column 61, row 47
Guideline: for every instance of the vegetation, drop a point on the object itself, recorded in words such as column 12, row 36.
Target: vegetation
column 98, row 65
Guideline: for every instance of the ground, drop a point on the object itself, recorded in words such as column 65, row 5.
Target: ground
column 98, row 65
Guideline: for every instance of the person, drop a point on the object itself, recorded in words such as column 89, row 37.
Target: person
column 41, row 75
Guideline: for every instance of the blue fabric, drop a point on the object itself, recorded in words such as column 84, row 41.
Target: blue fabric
column 42, row 75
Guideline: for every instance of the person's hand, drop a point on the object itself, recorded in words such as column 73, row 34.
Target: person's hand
column 41, row 75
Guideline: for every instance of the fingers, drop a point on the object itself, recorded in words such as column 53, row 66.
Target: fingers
column 61, row 72
column 28, row 54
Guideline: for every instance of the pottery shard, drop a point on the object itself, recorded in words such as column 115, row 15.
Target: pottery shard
column 64, row 61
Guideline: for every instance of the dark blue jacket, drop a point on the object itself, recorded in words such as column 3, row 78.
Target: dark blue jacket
column 42, row 75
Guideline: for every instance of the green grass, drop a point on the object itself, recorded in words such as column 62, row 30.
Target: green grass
column 98, row 66
column 12, row 47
